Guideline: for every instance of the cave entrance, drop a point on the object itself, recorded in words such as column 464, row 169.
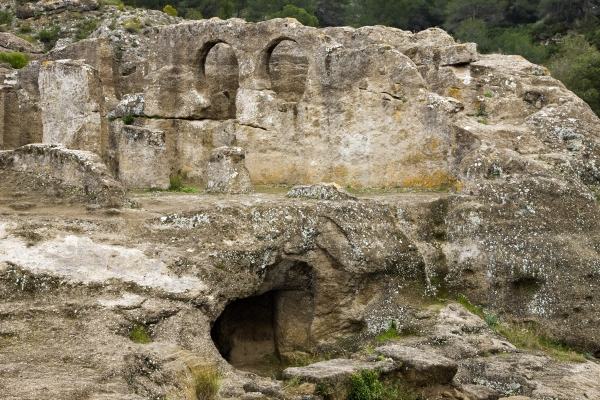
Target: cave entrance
column 261, row 332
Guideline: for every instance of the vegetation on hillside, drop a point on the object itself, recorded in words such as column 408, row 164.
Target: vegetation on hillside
column 563, row 35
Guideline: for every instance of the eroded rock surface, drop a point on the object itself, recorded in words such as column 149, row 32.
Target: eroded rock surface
column 504, row 158
column 58, row 174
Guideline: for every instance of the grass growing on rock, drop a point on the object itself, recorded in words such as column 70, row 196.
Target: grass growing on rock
column 15, row 59
column 390, row 333
column 523, row 336
column 139, row 334
column 207, row 382
column 176, row 184
column 367, row 385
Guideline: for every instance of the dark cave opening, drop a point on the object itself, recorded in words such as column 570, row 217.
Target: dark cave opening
column 258, row 333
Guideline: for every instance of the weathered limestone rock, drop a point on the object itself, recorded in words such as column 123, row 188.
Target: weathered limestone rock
column 321, row 191
column 70, row 104
column 130, row 104
column 61, row 174
column 420, row 366
column 227, row 171
column 142, row 157
column 10, row 42
column 334, row 375
column 30, row 9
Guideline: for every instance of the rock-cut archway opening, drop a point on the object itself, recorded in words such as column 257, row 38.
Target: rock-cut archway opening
column 219, row 72
column 259, row 333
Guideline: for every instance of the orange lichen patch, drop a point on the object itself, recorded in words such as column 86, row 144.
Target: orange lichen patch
column 455, row 92
column 437, row 180
column 431, row 150
column 338, row 173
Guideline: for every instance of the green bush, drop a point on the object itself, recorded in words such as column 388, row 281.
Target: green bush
column 85, row 28
column 303, row 16
column 25, row 27
column 49, row 36
column 577, row 65
column 133, row 25
column 14, row 58
column 117, row 3
column 192, row 13
column 170, row 10
column 365, row 385
column 6, row 18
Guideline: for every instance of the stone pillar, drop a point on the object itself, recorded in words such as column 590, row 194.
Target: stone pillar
column 227, row 171
column 142, row 157
column 70, row 99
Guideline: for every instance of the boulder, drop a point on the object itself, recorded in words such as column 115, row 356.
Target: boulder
column 420, row 366
column 227, row 171
column 50, row 171
column 334, row 375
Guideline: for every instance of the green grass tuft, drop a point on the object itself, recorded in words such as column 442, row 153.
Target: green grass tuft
column 390, row 333
column 523, row 336
column 366, row 385
column 15, row 59
column 128, row 119
column 207, row 382
column 139, row 334
column 176, row 184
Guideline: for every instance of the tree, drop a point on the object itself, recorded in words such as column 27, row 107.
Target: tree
column 412, row 15
column 332, row 12
column 577, row 65
column 290, row 10
column 170, row 10
column 490, row 11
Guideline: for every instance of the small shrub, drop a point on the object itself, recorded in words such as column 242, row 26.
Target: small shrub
column 49, row 36
column 15, row 59
column 133, row 25
column 25, row 27
column 365, row 385
column 139, row 334
column 6, row 18
column 170, row 10
column 85, row 28
column 117, row 3
column 207, row 382
column 481, row 110
column 128, row 119
column 175, row 182
column 193, row 13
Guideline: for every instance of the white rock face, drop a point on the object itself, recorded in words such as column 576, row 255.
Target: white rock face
column 70, row 104
column 81, row 260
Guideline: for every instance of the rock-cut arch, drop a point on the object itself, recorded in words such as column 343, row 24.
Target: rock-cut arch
column 219, row 76
column 285, row 65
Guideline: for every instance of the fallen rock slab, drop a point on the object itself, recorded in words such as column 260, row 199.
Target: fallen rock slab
column 335, row 370
column 54, row 172
column 420, row 366
column 334, row 375
column 320, row 191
